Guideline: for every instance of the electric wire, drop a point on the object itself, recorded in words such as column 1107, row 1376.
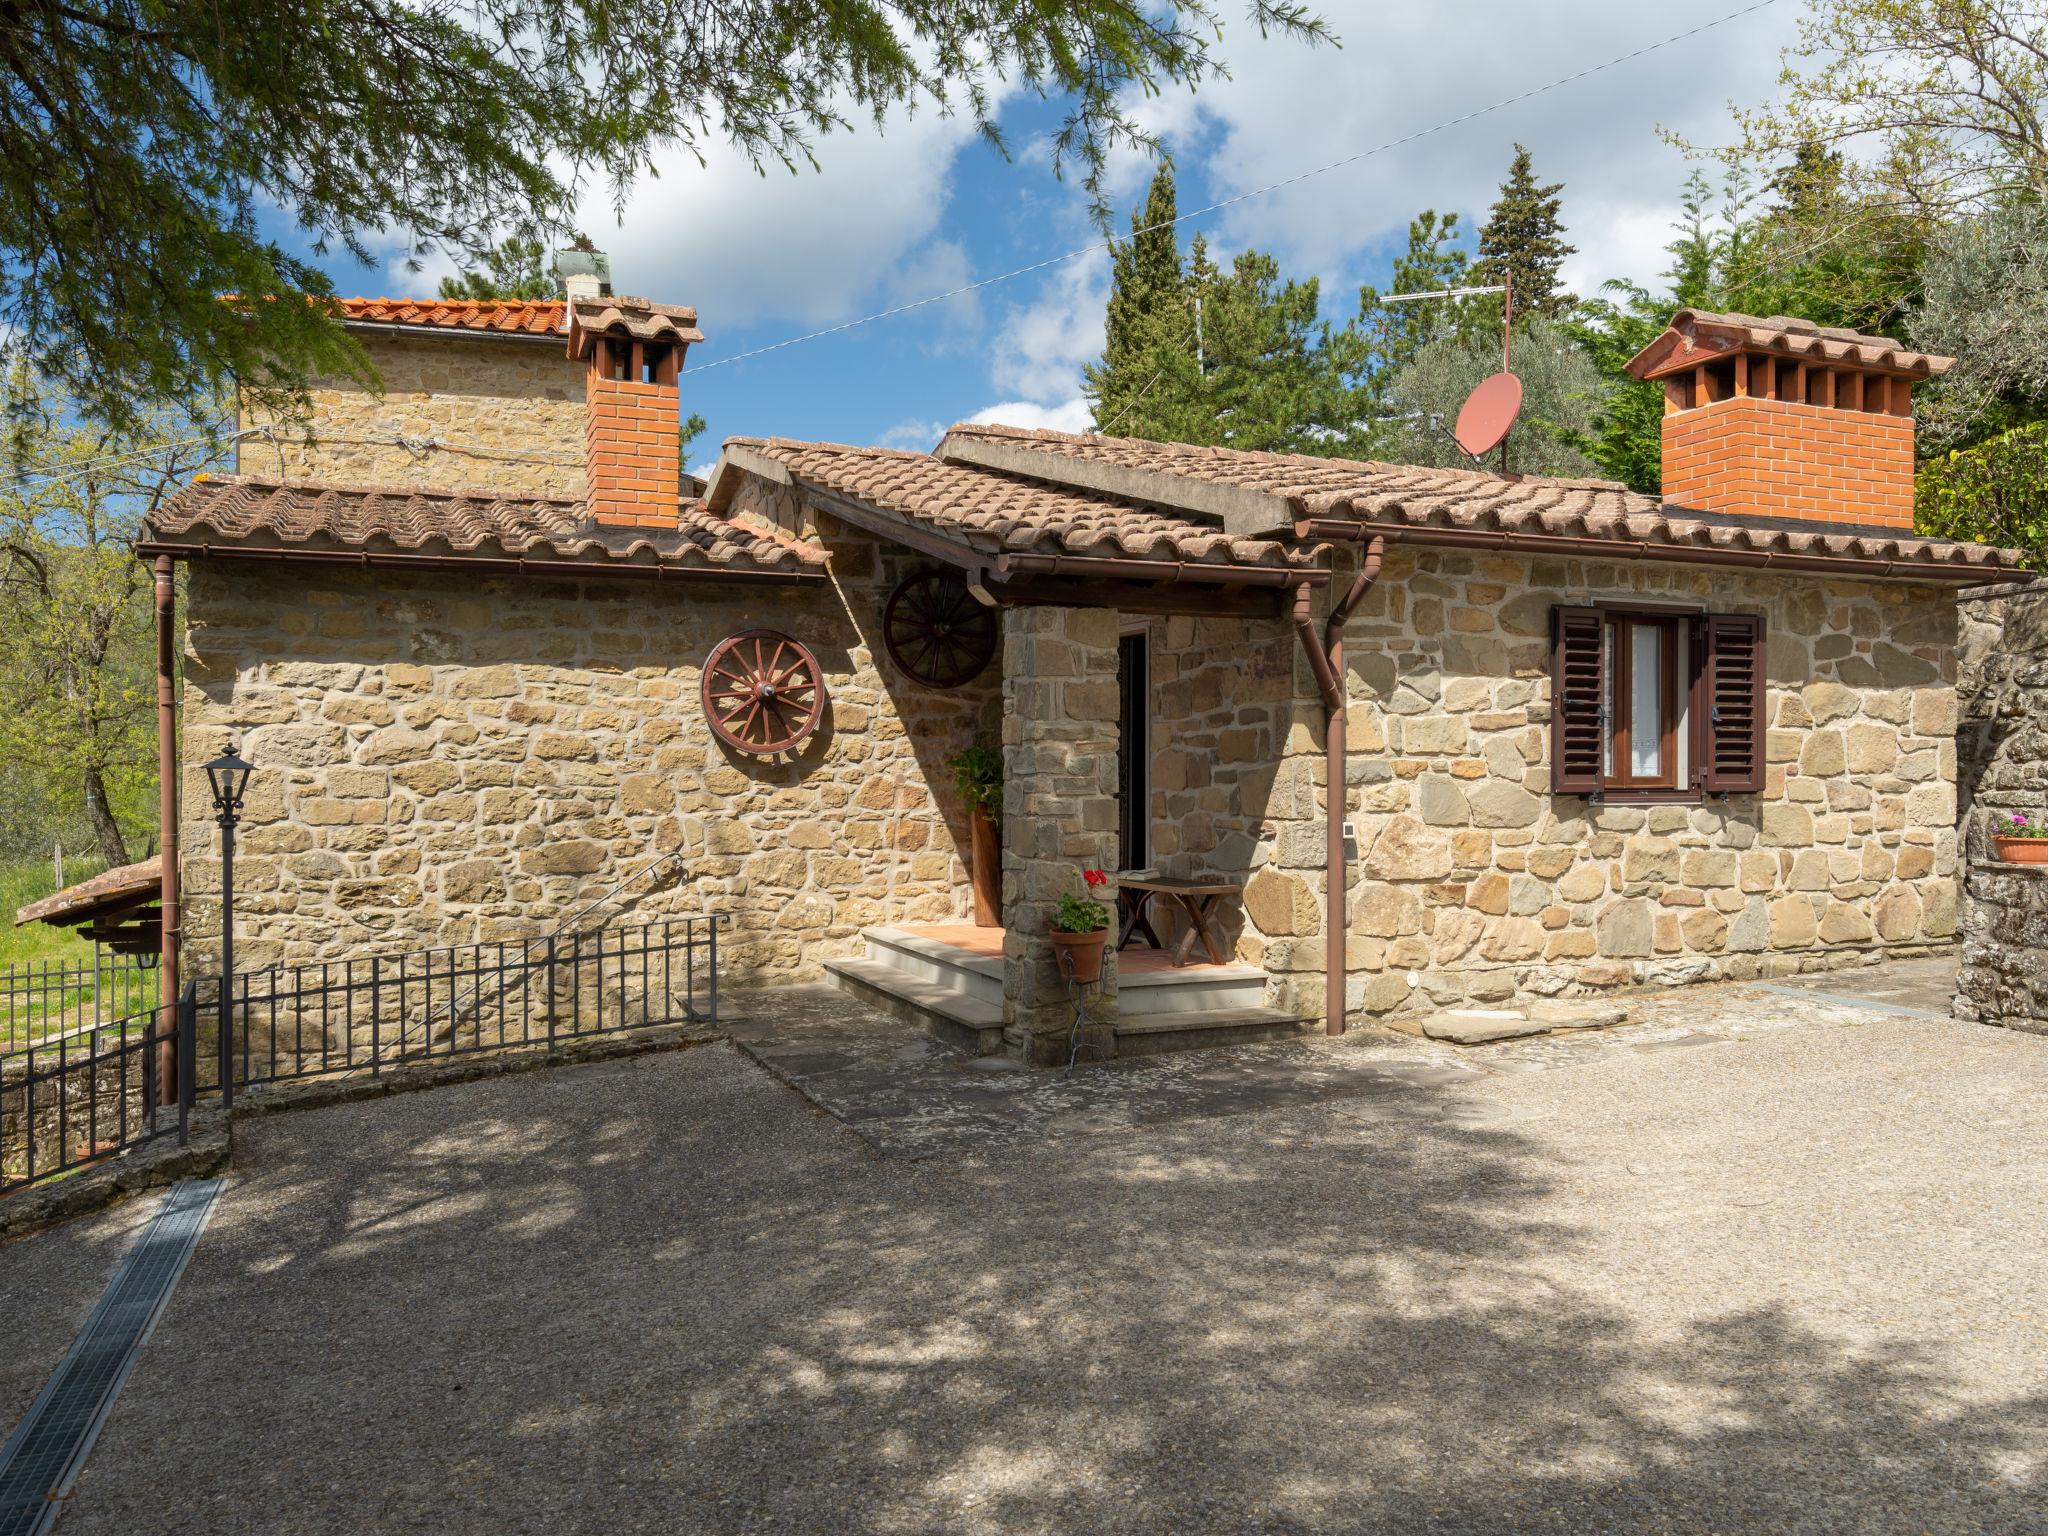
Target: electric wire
column 1243, row 197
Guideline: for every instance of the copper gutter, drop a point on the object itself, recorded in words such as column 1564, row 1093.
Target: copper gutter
column 1628, row 549
column 1326, row 660
column 167, row 1086
column 508, row 565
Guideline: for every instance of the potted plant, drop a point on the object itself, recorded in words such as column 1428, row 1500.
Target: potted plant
column 2018, row 841
column 1080, row 929
column 978, row 774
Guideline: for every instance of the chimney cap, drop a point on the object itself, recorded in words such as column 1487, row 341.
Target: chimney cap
column 1698, row 336
column 583, row 274
column 637, row 319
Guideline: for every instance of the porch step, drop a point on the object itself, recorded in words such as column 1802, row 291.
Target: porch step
column 1190, row 989
column 967, row 1022
column 927, row 960
column 1154, row 1034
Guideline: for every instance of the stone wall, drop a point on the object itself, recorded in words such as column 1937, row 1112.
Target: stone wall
column 2002, row 744
column 441, row 759
column 1060, row 708
column 2004, row 974
column 508, row 415
column 1476, row 884
column 2002, row 690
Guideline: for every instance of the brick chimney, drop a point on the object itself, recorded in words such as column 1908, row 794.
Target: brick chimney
column 1783, row 418
column 632, row 352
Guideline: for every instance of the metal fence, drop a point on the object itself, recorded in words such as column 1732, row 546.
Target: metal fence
column 369, row 1014
column 40, row 1000
column 86, row 1094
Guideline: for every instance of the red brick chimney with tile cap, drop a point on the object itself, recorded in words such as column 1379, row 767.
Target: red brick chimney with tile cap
column 1780, row 417
column 633, row 352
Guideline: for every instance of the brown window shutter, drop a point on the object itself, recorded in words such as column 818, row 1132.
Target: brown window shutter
column 1578, row 692
column 1734, row 687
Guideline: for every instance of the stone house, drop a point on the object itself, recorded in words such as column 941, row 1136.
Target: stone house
column 1584, row 738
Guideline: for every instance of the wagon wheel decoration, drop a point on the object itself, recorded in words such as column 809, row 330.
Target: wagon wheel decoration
column 763, row 693
column 935, row 630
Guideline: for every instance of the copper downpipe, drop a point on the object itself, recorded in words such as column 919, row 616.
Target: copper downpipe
column 167, row 1086
column 1326, row 660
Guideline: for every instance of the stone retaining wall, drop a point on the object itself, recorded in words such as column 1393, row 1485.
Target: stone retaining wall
column 2003, row 748
column 2004, row 975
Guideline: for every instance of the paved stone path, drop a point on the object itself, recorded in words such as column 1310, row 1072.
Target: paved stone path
column 908, row 1096
column 1764, row 1265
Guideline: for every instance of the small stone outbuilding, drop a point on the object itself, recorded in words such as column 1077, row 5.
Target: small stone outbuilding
column 1581, row 739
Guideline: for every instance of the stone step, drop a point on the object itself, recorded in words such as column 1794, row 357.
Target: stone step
column 927, row 960
column 949, row 1015
column 1482, row 1026
column 1154, row 1034
column 1190, row 989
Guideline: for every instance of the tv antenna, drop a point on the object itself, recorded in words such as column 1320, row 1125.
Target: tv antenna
column 1490, row 410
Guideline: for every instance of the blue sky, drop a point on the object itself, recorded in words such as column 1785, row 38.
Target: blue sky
column 922, row 205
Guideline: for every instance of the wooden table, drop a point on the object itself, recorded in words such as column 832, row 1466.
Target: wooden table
column 1196, row 901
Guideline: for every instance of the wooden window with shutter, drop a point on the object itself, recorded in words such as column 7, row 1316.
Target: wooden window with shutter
column 1655, row 704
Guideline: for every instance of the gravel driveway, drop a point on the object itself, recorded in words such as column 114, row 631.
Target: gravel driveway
column 1788, row 1281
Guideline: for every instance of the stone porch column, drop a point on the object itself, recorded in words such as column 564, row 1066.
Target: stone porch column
column 1059, row 805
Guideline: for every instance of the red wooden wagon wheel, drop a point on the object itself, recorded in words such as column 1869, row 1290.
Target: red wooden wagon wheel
column 763, row 692
column 935, row 630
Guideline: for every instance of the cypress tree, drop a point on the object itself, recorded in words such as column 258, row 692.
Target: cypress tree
column 1524, row 237
column 1147, row 311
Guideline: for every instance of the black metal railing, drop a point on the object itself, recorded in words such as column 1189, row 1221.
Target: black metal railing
column 365, row 1015
column 40, row 1000
column 87, row 1094
column 84, row 1094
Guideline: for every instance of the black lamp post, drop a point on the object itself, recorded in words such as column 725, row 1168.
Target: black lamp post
column 228, row 777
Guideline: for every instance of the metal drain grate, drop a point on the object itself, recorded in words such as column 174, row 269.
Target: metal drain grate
column 43, row 1455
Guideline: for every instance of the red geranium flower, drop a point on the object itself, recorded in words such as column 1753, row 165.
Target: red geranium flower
column 1094, row 877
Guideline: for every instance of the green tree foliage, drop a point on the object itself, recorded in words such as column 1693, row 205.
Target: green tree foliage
column 1943, row 104
column 1196, row 353
column 1561, row 388
column 143, row 137
column 1523, row 239
column 1986, row 305
column 1994, row 493
column 517, row 269
column 77, row 656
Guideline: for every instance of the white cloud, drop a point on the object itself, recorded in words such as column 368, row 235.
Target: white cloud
column 1041, row 346
column 1067, row 416
column 913, row 434
column 1288, row 108
column 810, row 248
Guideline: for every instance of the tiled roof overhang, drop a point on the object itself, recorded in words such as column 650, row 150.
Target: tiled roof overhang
column 1696, row 336
column 109, row 893
column 512, row 319
column 1009, row 525
column 241, row 517
column 1310, row 498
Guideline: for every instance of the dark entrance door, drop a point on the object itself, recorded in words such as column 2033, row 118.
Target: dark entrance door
column 1134, row 750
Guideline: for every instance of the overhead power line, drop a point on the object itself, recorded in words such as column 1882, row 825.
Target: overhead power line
column 1245, row 197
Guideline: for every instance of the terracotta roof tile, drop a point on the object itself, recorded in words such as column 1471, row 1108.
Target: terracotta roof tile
column 1697, row 332
column 247, row 513
column 1411, row 496
column 641, row 319
column 532, row 317
column 124, row 886
column 999, row 513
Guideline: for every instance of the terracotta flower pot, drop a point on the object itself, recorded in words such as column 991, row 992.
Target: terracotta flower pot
column 2020, row 850
column 985, row 869
column 1080, row 954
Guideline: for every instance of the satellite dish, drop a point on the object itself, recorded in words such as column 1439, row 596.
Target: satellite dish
column 1488, row 412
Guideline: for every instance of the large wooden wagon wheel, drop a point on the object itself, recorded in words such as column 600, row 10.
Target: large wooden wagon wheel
column 763, row 692
column 935, row 630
